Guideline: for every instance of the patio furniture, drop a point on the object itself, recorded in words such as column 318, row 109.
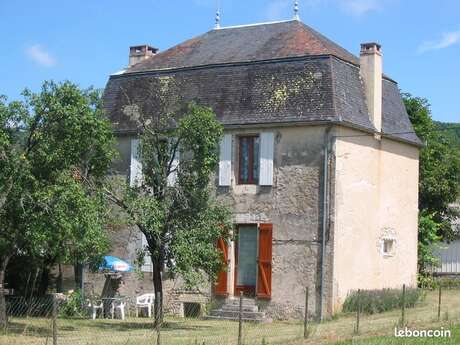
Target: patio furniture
column 115, row 303
column 145, row 301
column 94, row 306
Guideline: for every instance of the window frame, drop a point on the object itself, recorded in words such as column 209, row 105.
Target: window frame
column 252, row 180
column 392, row 243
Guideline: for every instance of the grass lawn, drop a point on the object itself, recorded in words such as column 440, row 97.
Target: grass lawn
column 374, row 329
column 36, row 331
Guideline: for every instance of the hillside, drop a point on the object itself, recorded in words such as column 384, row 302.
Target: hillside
column 452, row 134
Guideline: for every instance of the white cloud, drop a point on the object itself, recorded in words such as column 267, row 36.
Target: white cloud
column 447, row 39
column 360, row 7
column 38, row 54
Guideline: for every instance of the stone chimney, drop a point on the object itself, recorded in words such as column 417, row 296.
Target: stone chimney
column 371, row 73
column 140, row 53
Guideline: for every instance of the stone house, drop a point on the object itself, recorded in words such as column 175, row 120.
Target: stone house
column 319, row 163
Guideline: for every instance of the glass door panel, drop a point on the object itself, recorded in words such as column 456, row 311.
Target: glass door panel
column 247, row 255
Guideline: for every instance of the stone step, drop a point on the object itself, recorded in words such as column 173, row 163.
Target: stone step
column 246, row 301
column 234, row 307
column 224, row 318
column 247, row 315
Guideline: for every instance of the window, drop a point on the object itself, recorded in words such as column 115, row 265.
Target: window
column 248, row 160
column 388, row 246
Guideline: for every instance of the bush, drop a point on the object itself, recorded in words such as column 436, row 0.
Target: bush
column 74, row 305
column 428, row 281
column 378, row 301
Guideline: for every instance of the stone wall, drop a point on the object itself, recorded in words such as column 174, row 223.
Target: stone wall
column 293, row 206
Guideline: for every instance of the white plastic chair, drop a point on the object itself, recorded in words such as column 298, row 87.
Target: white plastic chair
column 120, row 305
column 145, row 301
column 94, row 306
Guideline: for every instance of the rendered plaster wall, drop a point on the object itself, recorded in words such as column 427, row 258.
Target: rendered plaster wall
column 376, row 198
column 293, row 206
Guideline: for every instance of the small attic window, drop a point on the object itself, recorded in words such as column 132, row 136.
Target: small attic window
column 388, row 247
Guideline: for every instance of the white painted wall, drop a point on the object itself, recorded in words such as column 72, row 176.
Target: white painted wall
column 376, row 197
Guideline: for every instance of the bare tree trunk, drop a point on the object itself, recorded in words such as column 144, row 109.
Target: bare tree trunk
column 158, row 288
column 3, row 316
column 44, row 281
column 59, row 279
column 78, row 272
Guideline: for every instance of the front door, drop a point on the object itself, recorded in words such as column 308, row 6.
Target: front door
column 246, row 260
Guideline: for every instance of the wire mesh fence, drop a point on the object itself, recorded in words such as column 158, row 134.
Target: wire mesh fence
column 53, row 320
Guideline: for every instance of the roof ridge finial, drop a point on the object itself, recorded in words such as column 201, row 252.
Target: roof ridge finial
column 217, row 25
column 296, row 10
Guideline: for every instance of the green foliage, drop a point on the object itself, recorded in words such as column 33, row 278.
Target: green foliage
column 379, row 301
column 428, row 237
column 430, row 282
column 73, row 306
column 438, row 182
column 181, row 221
column 55, row 149
column 451, row 131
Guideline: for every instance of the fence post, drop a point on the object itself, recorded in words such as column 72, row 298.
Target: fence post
column 305, row 321
column 54, row 322
column 439, row 302
column 403, row 306
column 240, row 320
column 358, row 311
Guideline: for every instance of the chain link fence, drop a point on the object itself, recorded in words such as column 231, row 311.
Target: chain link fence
column 53, row 320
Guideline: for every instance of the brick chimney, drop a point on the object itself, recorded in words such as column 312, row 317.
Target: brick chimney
column 371, row 73
column 140, row 53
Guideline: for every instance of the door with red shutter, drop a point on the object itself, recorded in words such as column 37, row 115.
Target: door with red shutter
column 220, row 288
column 264, row 263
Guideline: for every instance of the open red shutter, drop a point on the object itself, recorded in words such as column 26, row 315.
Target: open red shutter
column 264, row 278
column 220, row 288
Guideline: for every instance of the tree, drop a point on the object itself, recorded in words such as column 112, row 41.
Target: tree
column 55, row 149
column 171, row 203
column 438, row 181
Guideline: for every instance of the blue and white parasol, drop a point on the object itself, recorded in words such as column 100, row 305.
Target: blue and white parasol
column 114, row 264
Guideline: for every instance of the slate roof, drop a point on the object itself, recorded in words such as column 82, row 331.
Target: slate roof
column 289, row 73
column 247, row 43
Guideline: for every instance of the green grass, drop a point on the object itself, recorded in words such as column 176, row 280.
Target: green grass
column 36, row 331
column 374, row 329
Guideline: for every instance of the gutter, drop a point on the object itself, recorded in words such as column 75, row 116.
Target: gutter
column 324, row 220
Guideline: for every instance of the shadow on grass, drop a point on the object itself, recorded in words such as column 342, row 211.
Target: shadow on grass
column 126, row 326
column 16, row 328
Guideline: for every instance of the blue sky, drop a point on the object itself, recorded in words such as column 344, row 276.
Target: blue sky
column 87, row 40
